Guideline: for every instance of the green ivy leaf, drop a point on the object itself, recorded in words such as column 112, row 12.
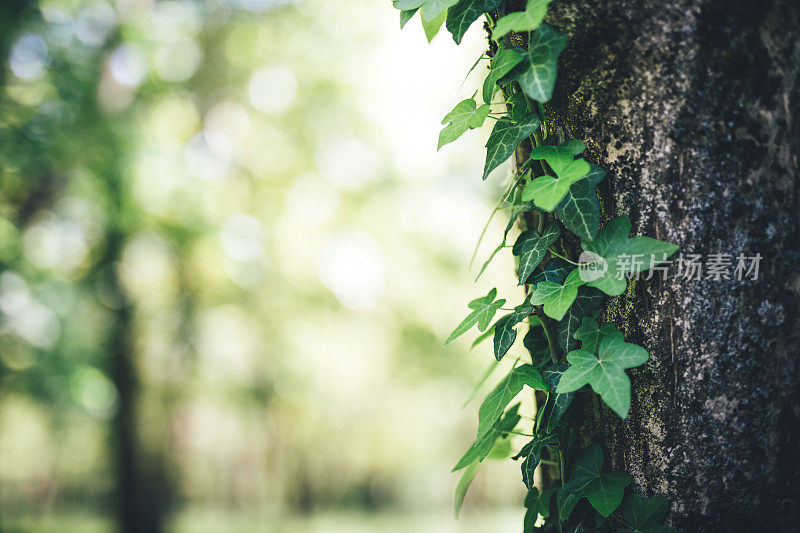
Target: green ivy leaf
column 483, row 445
column 539, row 502
column 527, row 20
column 536, row 73
column 461, row 16
column 463, row 485
column 407, row 15
column 466, row 115
column 555, row 270
column 536, row 344
column 504, row 332
column 588, row 300
column 558, row 402
column 580, row 208
column 497, row 400
column 511, row 220
column 615, row 248
column 432, row 26
column 641, row 514
column 603, row 490
column 605, row 372
column 531, row 248
column 484, row 310
column 503, row 61
column 590, row 334
column 430, row 8
column 547, row 192
column 505, row 138
column 519, row 106
column 555, row 297
column 532, row 454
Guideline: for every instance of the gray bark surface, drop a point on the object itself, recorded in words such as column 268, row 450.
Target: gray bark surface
column 693, row 108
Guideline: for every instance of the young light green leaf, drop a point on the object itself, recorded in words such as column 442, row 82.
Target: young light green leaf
column 463, row 485
column 532, row 454
column 536, row 73
column 466, row 115
column 555, row 297
column 520, row 21
column 532, row 247
column 461, row 16
column 511, row 220
column 590, row 334
column 605, row 372
column 503, row 61
column 641, row 514
column 433, row 8
column 484, row 310
column 431, row 27
column 562, row 160
column 548, row 191
column 504, row 332
column 504, row 140
column 621, row 255
column 579, row 211
column 497, row 400
column 407, row 15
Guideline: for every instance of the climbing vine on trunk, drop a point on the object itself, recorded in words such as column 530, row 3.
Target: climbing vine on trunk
column 567, row 350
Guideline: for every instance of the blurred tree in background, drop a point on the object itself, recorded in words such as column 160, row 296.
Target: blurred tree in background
column 225, row 273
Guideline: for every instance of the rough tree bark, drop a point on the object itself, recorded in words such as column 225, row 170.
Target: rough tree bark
column 691, row 108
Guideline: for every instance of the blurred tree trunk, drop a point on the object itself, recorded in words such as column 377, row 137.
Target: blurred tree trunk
column 691, row 106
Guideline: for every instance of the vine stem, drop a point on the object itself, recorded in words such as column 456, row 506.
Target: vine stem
column 491, row 217
column 568, row 260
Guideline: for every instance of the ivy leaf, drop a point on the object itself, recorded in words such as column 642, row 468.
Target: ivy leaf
column 461, row 16
column 503, row 61
column 532, row 453
column 605, row 493
column 536, row 344
column 497, row 400
column 588, row 300
column 519, row 106
column 539, row 502
column 532, row 247
column 504, row 332
column 504, row 140
column 466, row 115
column 432, row 26
column 484, row 310
column 527, row 20
column 555, row 270
column 555, row 297
column 511, row 220
column 559, row 402
column 605, row 372
column 480, row 449
column 547, row 192
column 407, row 15
column 580, row 208
column 536, row 74
column 603, row 489
column 590, row 334
column 641, row 514
column 618, row 255
column 463, row 485
column 430, row 8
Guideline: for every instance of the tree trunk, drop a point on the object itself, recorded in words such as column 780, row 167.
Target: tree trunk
column 691, row 108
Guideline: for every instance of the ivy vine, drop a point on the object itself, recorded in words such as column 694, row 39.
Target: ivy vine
column 567, row 349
